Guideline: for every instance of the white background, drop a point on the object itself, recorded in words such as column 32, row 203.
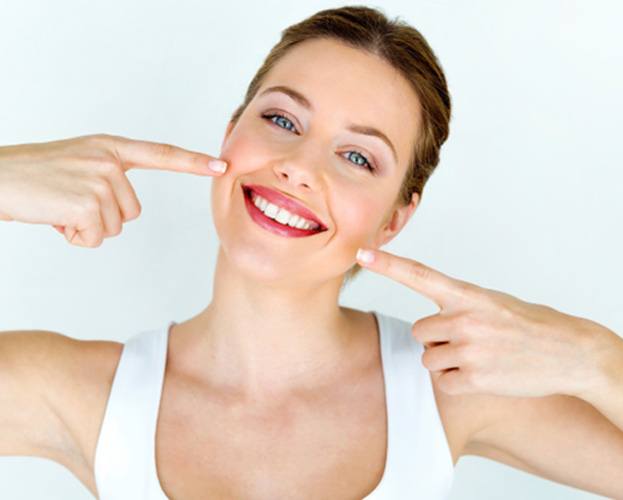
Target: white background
column 527, row 198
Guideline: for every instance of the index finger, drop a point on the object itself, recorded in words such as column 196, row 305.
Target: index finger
column 161, row 156
column 441, row 288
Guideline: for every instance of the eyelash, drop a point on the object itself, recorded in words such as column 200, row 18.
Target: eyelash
column 369, row 165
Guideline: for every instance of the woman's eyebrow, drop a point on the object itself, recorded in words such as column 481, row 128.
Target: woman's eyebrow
column 358, row 129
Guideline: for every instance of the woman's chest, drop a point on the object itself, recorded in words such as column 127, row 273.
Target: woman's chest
column 334, row 447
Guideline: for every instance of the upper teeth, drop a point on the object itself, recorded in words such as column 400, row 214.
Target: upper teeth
column 281, row 214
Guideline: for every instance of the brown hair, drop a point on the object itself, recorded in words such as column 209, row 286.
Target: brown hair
column 402, row 46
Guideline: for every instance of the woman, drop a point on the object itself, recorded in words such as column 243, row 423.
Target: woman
column 274, row 390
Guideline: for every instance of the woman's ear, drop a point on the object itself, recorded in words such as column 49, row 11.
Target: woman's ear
column 396, row 220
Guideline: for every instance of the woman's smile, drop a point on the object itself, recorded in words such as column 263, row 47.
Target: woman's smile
column 276, row 222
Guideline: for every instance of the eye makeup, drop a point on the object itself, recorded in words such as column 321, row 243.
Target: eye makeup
column 276, row 117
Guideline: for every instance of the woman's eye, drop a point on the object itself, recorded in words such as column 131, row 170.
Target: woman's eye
column 364, row 162
column 281, row 119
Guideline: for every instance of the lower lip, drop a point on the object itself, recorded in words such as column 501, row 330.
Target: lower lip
column 272, row 225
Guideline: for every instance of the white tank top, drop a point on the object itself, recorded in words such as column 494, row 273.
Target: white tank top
column 418, row 460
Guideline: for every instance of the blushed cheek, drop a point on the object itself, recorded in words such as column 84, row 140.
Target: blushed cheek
column 248, row 156
column 244, row 154
column 358, row 223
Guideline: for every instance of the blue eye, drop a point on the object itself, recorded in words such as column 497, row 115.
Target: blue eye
column 283, row 119
column 365, row 160
column 280, row 118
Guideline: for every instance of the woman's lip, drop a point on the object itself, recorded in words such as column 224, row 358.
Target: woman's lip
column 271, row 224
column 292, row 206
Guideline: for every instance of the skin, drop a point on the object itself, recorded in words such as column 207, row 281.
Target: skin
column 275, row 326
column 489, row 342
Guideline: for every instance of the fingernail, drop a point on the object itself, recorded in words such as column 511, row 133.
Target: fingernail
column 365, row 256
column 217, row 165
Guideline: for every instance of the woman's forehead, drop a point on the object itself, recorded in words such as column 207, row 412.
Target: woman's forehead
column 342, row 71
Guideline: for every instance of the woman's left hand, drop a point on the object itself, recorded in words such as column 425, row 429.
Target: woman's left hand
column 486, row 341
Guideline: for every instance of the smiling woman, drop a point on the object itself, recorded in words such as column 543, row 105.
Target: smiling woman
column 296, row 396
column 400, row 47
column 273, row 390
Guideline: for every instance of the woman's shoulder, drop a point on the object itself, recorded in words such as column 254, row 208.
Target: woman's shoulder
column 85, row 370
column 71, row 378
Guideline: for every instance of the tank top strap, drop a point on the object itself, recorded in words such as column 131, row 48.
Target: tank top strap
column 125, row 452
column 419, row 461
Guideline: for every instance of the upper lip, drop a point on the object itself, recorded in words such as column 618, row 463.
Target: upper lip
column 277, row 198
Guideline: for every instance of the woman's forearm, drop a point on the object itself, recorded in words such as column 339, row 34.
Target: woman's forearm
column 607, row 395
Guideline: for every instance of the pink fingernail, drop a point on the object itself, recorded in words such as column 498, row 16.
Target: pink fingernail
column 217, row 165
column 365, row 256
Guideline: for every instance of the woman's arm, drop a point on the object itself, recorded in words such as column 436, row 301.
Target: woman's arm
column 558, row 437
column 31, row 377
column 542, row 378
column 607, row 395
column 79, row 185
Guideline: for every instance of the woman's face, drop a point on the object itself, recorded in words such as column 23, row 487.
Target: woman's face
column 349, row 180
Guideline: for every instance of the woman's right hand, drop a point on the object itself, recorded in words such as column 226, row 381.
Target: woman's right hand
column 79, row 186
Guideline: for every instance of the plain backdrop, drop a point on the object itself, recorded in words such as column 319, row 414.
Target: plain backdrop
column 527, row 198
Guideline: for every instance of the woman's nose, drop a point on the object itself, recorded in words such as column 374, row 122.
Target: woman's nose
column 300, row 171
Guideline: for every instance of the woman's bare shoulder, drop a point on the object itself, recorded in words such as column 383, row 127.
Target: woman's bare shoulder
column 57, row 387
column 48, row 357
column 85, row 370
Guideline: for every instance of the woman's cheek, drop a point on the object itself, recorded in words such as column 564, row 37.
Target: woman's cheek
column 246, row 154
column 358, row 216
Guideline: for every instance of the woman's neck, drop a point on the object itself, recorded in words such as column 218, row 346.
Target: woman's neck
column 263, row 343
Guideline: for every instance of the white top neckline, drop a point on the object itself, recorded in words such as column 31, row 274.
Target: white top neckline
column 382, row 347
column 418, row 460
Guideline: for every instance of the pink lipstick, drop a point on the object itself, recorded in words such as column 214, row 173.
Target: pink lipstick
column 276, row 227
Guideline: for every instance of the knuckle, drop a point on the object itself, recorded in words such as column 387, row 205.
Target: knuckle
column 489, row 298
column 467, row 354
column 109, row 138
column 464, row 321
column 89, row 208
column 198, row 159
column 471, row 320
column 100, row 139
column 415, row 330
column 97, row 137
column 164, row 149
column 466, row 289
column 95, row 240
column 418, row 328
column 134, row 212
column 418, row 271
column 424, row 358
column 101, row 187
column 109, row 168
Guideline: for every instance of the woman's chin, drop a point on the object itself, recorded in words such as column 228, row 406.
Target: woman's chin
column 258, row 265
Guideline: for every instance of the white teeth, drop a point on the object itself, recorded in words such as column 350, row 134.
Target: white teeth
column 281, row 215
column 271, row 210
